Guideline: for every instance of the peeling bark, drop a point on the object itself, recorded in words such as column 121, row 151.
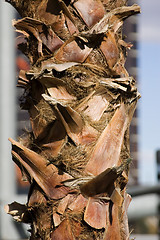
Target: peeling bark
column 81, row 100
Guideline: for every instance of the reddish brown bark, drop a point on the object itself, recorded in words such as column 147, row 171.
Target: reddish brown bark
column 81, row 101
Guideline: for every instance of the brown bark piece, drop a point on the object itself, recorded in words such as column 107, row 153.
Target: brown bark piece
column 78, row 204
column 110, row 49
column 63, row 232
column 56, row 219
column 92, row 12
column 63, row 204
column 47, row 177
column 96, row 213
column 71, row 52
column 114, row 229
column 108, row 147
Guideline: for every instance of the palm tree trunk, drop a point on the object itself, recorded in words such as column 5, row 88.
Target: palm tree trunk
column 81, row 101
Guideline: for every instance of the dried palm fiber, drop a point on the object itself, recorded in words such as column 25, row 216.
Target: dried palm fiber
column 81, row 100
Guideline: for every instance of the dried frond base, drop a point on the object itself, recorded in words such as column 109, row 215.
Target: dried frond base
column 81, row 100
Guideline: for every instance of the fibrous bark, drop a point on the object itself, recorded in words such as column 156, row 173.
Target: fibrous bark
column 81, row 100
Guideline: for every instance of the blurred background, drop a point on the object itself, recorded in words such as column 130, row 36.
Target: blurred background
column 143, row 63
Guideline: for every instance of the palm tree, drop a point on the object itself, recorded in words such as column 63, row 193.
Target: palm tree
column 81, row 100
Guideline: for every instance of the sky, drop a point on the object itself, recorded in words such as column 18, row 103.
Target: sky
column 149, row 87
